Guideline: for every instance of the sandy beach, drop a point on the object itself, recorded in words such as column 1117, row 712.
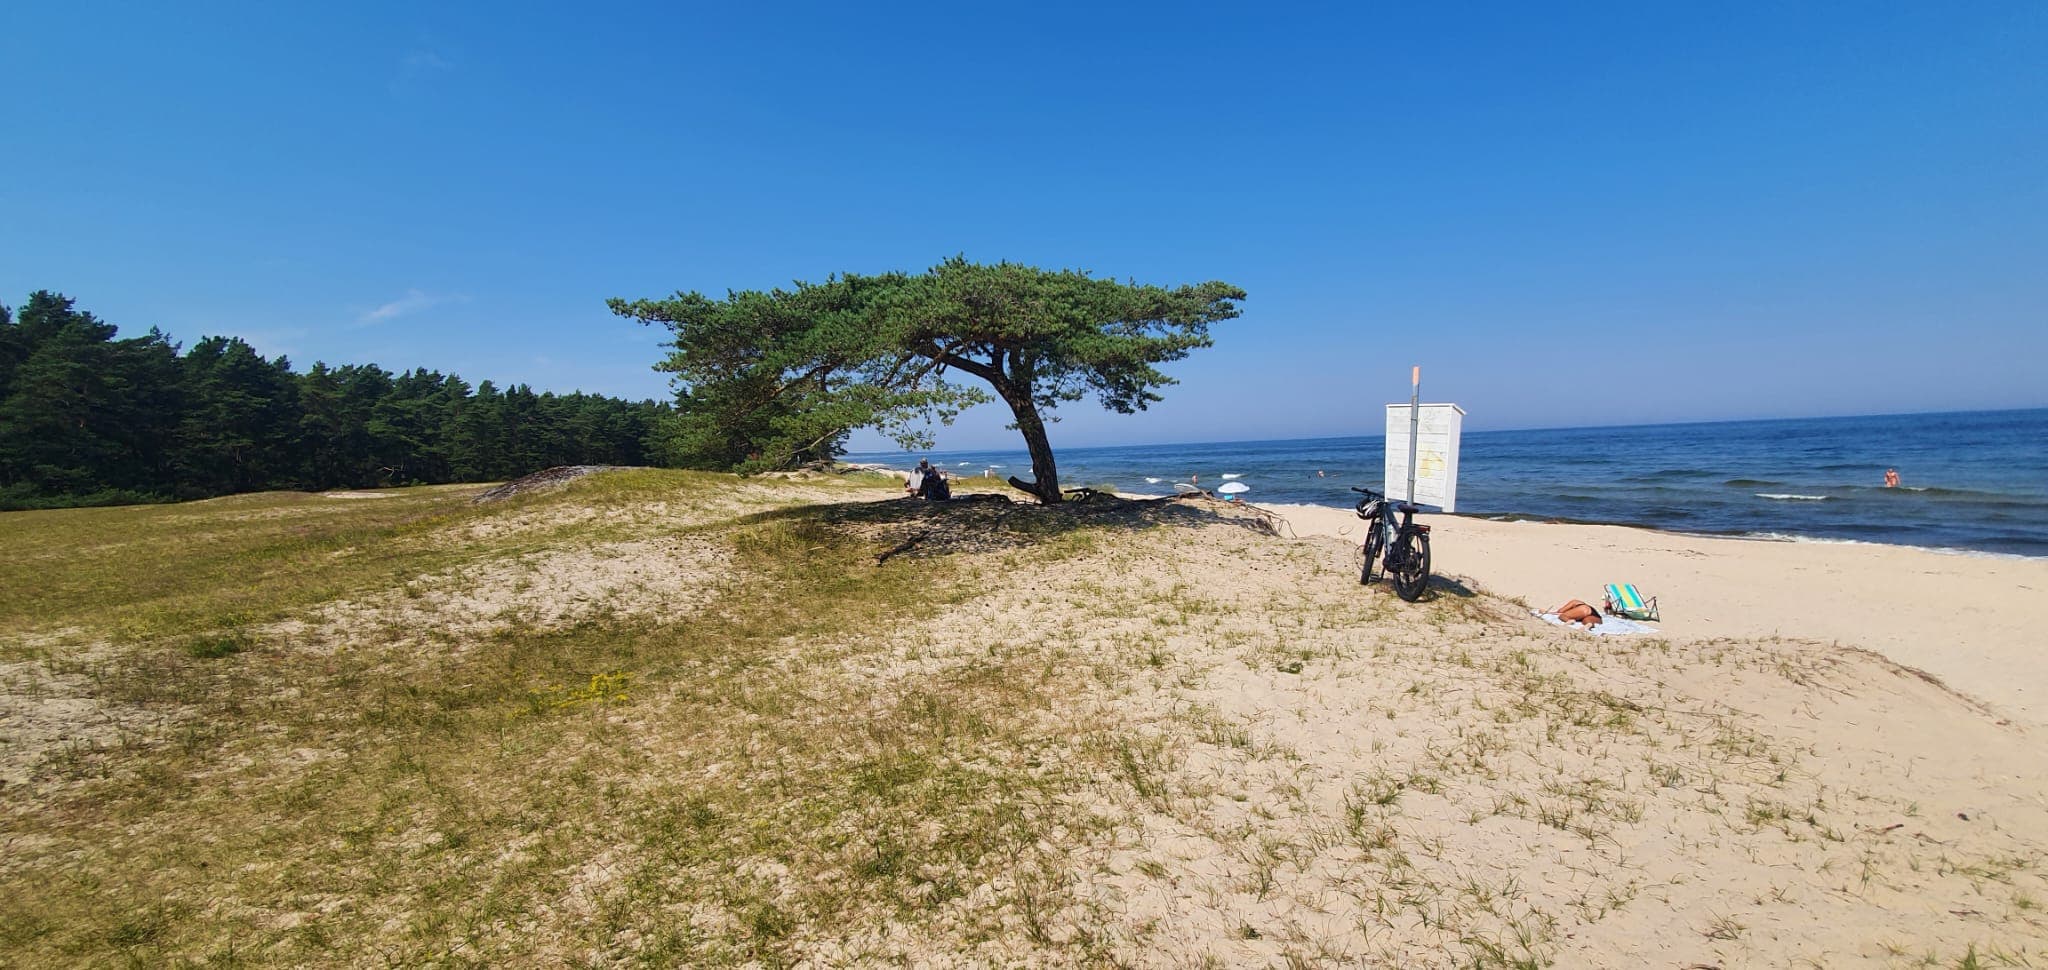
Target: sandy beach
column 1973, row 621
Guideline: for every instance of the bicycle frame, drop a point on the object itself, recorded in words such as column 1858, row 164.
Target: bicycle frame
column 1389, row 529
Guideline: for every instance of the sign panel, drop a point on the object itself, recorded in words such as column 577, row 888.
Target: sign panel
column 1436, row 455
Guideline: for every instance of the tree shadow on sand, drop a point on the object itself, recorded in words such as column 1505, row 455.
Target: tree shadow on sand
column 913, row 528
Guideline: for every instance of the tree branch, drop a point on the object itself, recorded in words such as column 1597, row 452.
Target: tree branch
column 975, row 367
column 813, row 374
column 815, row 442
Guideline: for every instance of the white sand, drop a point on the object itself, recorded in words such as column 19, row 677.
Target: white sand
column 1978, row 623
column 1319, row 775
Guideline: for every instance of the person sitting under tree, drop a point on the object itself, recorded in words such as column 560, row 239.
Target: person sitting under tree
column 934, row 486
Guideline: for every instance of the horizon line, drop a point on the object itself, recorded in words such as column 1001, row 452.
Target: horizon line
column 1554, row 427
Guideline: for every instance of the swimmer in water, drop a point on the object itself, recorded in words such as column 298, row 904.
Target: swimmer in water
column 1891, row 478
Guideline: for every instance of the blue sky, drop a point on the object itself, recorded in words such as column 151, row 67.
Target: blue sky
column 1566, row 213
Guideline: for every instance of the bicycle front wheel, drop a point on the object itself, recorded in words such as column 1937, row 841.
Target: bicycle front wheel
column 1411, row 566
column 1375, row 543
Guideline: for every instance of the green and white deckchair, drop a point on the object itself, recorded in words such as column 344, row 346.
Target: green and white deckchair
column 1623, row 600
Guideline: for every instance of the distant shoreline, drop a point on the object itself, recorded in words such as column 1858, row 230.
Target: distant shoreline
column 1519, row 518
column 1471, row 432
column 1974, row 482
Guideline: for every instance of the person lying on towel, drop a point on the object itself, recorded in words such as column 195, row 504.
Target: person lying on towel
column 1576, row 611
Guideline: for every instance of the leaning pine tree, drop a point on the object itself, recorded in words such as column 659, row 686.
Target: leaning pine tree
column 791, row 372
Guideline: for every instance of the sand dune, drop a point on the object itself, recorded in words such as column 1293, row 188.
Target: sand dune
column 810, row 723
column 1976, row 622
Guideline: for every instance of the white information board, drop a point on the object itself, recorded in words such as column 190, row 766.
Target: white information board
column 1436, row 455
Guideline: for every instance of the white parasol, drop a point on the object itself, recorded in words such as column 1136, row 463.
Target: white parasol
column 1233, row 488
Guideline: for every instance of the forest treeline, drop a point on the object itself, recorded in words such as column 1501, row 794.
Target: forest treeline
column 88, row 418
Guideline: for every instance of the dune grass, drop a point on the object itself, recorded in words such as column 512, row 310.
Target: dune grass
column 155, row 570
column 151, row 571
column 728, row 785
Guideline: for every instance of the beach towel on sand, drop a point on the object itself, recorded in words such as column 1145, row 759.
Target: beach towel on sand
column 1613, row 626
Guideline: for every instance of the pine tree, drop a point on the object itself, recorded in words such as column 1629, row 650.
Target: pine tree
column 241, row 421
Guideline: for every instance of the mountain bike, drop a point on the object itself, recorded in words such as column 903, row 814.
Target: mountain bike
column 1401, row 550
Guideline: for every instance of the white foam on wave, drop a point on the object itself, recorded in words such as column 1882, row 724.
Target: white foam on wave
column 1784, row 497
column 1790, row 537
column 1233, row 475
column 1153, row 481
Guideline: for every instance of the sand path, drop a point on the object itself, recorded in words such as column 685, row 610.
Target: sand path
column 1979, row 623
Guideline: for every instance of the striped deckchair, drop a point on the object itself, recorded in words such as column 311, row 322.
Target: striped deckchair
column 1623, row 600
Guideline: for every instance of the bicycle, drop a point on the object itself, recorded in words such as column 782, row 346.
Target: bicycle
column 1402, row 550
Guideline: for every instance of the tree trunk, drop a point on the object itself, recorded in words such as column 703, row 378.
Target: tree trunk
column 1047, row 484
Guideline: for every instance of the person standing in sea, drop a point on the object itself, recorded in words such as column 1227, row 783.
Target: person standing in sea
column 1891, row 478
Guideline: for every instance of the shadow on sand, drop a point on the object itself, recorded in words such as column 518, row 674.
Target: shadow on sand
column 992, row 523
column 1439, row 585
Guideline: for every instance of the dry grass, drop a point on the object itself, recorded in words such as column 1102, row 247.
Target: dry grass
column 673, row 719
column 741, row 774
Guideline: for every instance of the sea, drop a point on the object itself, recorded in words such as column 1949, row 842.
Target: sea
column 1969, row 481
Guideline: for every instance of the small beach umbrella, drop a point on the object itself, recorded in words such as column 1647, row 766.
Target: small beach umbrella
column 1233, row 488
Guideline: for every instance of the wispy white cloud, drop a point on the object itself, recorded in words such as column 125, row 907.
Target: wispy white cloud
column 412, row 302
column 420, row 60
column 416, row 67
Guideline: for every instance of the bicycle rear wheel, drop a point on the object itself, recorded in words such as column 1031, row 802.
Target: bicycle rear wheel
column 1410, row 566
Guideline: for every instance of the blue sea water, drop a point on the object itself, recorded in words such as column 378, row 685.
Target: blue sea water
column 1969, row 480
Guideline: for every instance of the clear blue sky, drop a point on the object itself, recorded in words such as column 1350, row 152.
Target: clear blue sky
column 1566, row 213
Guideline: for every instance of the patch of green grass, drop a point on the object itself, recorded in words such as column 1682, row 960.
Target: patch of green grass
column 213, row 647
column 155, row 571
column 165, row 570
